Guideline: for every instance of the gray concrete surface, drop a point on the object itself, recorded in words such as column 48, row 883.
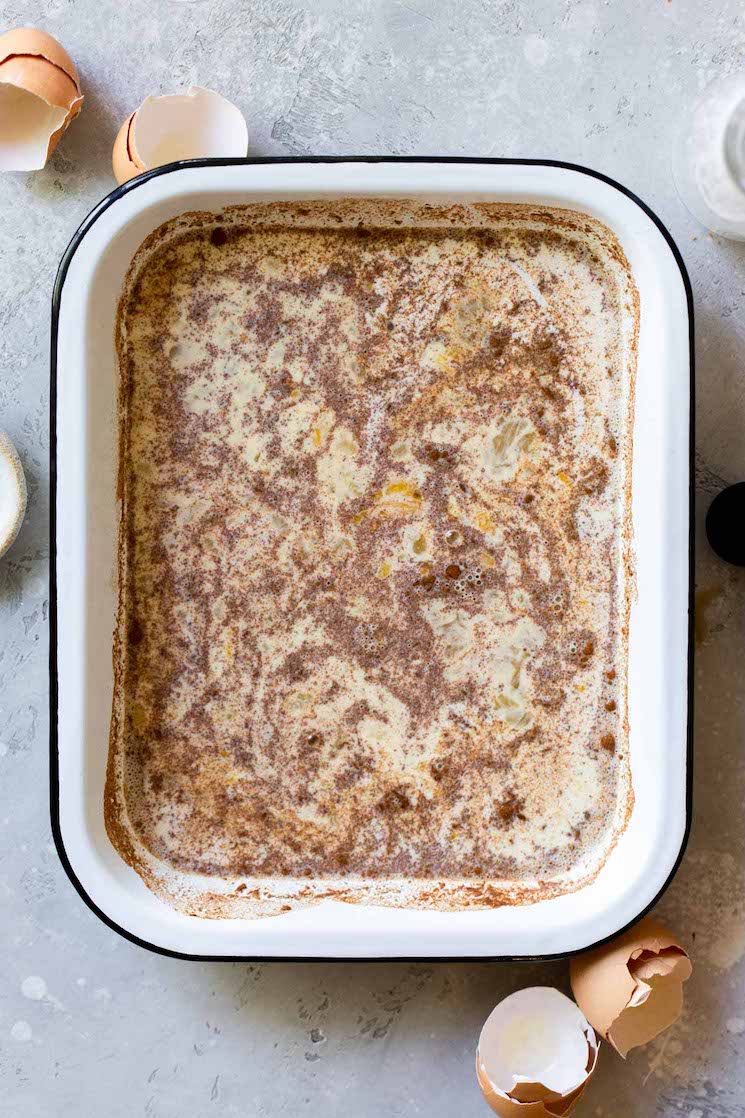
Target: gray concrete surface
column 91, row 1025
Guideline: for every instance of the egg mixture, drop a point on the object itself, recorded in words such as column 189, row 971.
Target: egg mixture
column 374, row 555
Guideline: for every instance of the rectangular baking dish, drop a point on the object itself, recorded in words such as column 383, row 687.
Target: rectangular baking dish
column 84, row 548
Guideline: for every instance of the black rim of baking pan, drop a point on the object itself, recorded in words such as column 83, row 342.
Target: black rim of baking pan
column 70, row 251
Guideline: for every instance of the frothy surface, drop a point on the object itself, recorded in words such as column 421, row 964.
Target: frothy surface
column 376, row 494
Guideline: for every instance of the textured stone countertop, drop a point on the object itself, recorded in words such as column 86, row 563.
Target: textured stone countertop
column 89, row 1023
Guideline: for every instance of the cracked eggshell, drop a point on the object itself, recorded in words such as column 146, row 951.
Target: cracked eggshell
column 12, row 493
column 123, row 164
column 632, row 989
column 536, row 1055
column 39, row 96
column 197, row 124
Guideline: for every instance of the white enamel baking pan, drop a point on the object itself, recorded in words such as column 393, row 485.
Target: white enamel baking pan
column 84, row 536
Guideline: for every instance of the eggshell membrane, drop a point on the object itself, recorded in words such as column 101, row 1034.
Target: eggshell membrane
column 630, row 990
column 13, row 495
column 33, row 65
column 527, row 1099
column 192, row 125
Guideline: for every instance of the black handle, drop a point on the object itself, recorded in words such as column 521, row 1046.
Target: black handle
column 725, row 524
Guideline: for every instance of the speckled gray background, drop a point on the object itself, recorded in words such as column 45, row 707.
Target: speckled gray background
column 91, row 1025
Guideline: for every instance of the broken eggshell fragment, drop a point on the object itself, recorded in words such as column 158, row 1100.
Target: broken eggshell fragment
column 12, row 493
column 39, row 96
column 632, row 989
column 536, row 1054
column 197, row 124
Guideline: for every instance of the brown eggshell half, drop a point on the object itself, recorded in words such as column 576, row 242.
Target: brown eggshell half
column 194, row 124
column 32, row 61
column 124, row 166
column 550, row 1106
column 631, row 989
